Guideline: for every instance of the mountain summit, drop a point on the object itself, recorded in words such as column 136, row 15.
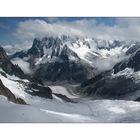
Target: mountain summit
column 70, row 59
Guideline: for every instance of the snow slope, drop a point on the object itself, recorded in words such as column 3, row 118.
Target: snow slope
column 88, row 111
column 47, row 110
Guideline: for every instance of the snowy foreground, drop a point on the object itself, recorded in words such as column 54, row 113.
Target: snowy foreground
column 56, row 110
column 42, row 110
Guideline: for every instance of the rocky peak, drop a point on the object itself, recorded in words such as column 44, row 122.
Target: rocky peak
column 131, row 62
column 10, row 96
column 2, row 54
column 7, row 66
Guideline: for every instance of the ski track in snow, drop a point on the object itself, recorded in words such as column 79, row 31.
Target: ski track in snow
column 68, row 117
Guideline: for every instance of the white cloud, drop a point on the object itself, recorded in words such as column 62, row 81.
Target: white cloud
column 103, row 64
column 8, row 48
column 39, row 28
column 124, row 29
column 25, row 66
column 11, row 49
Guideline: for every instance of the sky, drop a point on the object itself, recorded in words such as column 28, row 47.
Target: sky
column 19, row 32
column 9, row 25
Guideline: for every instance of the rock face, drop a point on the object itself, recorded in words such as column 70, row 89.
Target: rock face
column 64, row 98
column 7, row 66
column 53, row 60
column 109, row 86
column 33, row 85
column 38, row 90
column 66, row 71
column 132, row 62
column 65, row 58
column 11, row 69
column 10, row 96
column 121, row 81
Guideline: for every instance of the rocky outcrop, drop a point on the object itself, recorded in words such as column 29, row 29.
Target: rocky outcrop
column 109, row 86
column 38, row 90
column 33, row 85
column 7, row 66
column 10, row 96
column 65, row 71
column 64, row 98
column 132, row 62
column 52, row 60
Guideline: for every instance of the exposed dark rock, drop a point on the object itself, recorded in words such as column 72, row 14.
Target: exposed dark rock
column 38, row 90
column 63, row 97
column 69, row 71
column 133, row 49
column 106, row 86
column 58, row 65
column 10, row 96
column 7, row 66
column 138, row 99
column 120, row 66
column 133, row 62
column 20, row 101
column 36, row 49
column 20, row 54
column 34, row 84
column 96, row 78
column 63, row 69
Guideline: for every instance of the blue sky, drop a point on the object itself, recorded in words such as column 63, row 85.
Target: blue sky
column 8, row 25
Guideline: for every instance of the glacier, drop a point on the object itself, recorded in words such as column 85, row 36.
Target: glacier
column 106, row 111
column 55, row 110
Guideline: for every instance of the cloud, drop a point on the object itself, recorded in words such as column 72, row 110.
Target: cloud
column 8, row 48
column 25, row 66
column 124, row 29
column 40, row 28
column 103, row 64
column 11, row 49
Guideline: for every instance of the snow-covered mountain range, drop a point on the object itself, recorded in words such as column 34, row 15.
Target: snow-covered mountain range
column 71, row 79
column 71, row 59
